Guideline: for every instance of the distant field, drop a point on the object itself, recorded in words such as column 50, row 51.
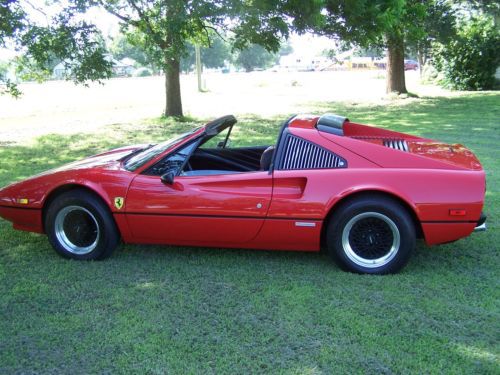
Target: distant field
column 62, row 107
column 165, row 309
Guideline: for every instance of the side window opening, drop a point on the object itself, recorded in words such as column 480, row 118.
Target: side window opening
column 221, row 140
column 196, row 160
column 214, row 156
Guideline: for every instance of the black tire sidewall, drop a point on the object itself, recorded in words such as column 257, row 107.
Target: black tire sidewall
column 388, row 207
column 108, row 233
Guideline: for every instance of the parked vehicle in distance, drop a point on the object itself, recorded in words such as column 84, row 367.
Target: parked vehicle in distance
column 411, row 65
column 364, row 192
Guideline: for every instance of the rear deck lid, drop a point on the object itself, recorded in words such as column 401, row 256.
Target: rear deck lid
column 455, row 154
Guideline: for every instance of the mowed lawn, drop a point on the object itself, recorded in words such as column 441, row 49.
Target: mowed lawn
column 160, row 309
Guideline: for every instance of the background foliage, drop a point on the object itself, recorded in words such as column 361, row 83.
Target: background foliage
column 469, row 61
column 62, row 37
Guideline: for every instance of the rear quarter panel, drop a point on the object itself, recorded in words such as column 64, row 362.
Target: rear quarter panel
column 431, row 189
column 430, row 193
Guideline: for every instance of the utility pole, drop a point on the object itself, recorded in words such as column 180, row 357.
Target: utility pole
column 198, row 67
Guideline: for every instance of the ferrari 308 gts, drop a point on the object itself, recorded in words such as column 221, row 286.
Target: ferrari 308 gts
column 364, row 193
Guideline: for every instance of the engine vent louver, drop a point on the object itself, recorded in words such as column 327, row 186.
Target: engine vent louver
column 301, row 154
column 397, row 144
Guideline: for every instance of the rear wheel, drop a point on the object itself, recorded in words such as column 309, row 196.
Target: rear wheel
column 371, row 234
column 80, row 226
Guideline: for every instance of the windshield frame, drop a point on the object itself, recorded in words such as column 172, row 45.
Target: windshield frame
column 145, row 156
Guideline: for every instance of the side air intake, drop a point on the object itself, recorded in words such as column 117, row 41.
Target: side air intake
column 397, row 144
column 301, row 154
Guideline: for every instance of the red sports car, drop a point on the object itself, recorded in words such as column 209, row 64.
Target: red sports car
column 365, row 193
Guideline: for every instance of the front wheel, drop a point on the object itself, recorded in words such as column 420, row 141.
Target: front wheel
column 372, row 234
column 80, row 226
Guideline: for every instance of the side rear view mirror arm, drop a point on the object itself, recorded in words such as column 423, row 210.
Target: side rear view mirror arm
column 168, row 178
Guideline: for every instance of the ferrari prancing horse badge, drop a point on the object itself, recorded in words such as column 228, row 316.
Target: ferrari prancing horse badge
column 119, row 202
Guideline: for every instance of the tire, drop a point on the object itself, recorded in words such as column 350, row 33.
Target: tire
column 372, row 235
column 80, row 226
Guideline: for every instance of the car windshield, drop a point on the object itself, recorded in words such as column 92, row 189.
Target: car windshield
column 149, row 153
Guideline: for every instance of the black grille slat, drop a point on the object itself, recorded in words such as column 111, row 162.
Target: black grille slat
column 301, row 154
column 397, row 144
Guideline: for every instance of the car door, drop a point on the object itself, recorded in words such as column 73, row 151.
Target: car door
column 211, row 209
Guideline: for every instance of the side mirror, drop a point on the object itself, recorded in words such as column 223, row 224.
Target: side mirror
column 168, row 178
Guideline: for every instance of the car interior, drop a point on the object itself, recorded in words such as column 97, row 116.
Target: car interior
column 215, row 156
column 205, row 161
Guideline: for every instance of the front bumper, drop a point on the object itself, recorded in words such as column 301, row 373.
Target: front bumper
column 481, row 223
column 27, row 219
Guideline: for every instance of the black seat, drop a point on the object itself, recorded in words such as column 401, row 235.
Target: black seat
column 266, row 158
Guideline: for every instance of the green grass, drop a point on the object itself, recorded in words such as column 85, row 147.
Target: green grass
column 152, row 309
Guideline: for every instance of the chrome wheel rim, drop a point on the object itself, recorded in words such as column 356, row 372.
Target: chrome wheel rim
column 371, row 239
column 77, row 230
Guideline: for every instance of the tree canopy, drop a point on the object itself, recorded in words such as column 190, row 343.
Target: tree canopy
column 121, row 46
column 254, row 57
column 469, row 61
column 217, row 55
column 58, row 37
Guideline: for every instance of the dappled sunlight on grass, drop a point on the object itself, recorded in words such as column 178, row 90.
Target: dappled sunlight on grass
column 305, row 370
column 475, row 353
column 146, row 285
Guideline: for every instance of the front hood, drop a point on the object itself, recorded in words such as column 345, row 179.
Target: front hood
column 104, row 168
column 107, row 160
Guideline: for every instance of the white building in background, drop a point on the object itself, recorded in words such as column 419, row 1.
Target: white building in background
column 60, row 71
column 303, row 63
column 122, row 68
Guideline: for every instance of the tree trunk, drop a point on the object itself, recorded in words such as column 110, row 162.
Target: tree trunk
column 396, row 64
column 173, row 106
